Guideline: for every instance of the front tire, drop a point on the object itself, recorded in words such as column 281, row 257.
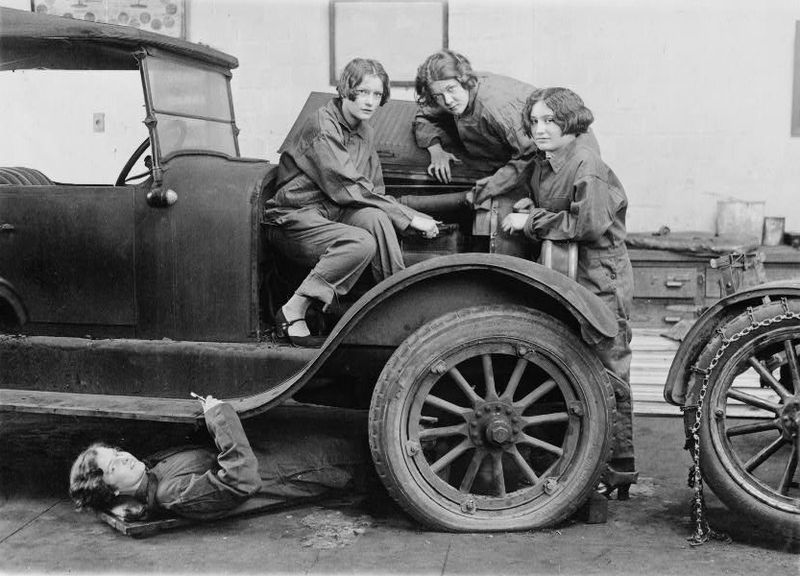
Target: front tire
column 491, row 418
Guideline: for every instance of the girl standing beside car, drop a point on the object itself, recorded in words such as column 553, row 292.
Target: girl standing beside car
column 573, row 196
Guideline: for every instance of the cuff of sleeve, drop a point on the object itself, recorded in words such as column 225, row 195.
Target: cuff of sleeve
column 404, row 223
column 427, row 141
column 530, row 223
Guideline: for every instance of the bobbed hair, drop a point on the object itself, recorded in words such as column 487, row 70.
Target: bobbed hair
column 569, row 111
column 354, row 73
column 442, row 65
column 86, row 485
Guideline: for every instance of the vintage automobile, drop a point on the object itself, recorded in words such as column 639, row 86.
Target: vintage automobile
column 736, row 376
column 488, row 409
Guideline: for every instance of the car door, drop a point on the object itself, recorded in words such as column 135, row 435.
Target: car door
column 69, row 252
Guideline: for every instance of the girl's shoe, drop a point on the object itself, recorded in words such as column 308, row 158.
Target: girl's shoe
column 282, row 331
column 619, row 476
column 607, row 490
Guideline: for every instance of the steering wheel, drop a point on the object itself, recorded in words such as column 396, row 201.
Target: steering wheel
column 123, row 177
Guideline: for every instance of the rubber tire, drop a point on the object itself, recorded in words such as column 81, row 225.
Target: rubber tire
column 727, row 480
column 413, row 361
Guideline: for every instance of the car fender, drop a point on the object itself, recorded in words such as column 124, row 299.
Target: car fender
column 680, row 389
column 394, row 308
column 12, row 309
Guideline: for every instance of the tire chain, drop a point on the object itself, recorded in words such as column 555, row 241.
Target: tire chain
column 702, row 531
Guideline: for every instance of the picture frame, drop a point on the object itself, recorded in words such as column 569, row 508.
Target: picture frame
column 795, row 127
column 168, row 17
column 400, row 34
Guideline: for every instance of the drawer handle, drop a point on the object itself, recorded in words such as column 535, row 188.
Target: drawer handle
column 7, row 227
column 674, row 283
column 672, row 319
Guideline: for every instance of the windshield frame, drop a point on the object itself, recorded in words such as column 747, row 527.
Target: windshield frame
column 153, row 112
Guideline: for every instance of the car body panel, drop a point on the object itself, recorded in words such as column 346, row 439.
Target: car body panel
column 71, row 252
column 13, row 312
column 394, row 138
column 197, row 278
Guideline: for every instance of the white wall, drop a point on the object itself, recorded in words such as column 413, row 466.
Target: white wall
column 692, row 99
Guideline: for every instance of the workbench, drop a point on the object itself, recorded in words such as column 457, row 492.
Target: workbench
column 672, row 286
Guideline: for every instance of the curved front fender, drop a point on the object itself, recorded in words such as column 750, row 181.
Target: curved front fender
column 389, row 312
column 405, row 301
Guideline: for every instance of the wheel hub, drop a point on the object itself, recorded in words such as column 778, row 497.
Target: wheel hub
column 789, row 418
column 494, row 423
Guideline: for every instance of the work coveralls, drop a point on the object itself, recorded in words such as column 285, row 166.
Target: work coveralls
column 330, row 211
column 578, row 198
column 194, row 482
column 273, row 461
column 489, row 129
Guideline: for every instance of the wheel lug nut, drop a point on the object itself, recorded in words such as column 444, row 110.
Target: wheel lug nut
column 550, row 486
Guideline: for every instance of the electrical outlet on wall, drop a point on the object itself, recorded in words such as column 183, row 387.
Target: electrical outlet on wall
column 99, row 121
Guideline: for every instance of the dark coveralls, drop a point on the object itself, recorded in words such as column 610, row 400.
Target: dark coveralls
column 330, row 211
column 196, row 483
column 489, row 129
column 578, row 198
column 280, row 462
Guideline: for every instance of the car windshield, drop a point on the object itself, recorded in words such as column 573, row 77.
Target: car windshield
column 191, row 106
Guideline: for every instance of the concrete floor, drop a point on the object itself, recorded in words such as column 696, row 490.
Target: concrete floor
column 40, row 532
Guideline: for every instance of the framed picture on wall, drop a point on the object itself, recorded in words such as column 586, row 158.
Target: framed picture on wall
column 400, row 34
column 162, row 16
column 796, row 86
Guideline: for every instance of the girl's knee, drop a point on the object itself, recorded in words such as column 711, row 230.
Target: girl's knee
column 362, row 245
column 378, row 220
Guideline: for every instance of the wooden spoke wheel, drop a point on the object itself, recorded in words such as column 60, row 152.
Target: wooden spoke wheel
column 492, row 418
column 751, row 415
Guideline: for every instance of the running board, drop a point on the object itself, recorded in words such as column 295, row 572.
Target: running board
column 151, row 408
column 101, row 406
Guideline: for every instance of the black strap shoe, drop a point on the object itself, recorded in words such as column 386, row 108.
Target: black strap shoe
column 282, row 331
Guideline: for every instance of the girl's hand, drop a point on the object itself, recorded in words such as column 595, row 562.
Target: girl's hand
column 514, row 222
column 440, row 163
column 207, row 402
column 523, row 205
column 425, row 225
column 210, row 402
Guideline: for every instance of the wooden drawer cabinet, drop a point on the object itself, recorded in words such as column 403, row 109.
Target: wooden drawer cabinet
column 662, row 282
column 671, row 286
